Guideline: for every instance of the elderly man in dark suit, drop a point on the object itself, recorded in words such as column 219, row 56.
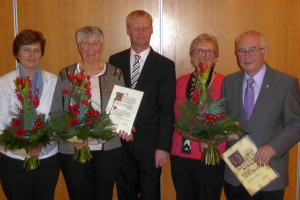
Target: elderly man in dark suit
column 145, row 70
column 268, row 105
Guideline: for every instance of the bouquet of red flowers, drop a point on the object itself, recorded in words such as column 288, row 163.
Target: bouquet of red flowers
column 203, row 119
column 28, row 129
column 82, row 121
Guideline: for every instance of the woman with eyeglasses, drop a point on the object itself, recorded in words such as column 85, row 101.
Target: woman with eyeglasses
column 192, row 179
column 17, row 182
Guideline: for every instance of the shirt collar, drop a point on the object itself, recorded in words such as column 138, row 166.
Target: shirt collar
column 258, row 77
column 143, row 54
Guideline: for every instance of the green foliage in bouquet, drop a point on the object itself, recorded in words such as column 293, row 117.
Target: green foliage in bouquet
column 203, row 119
column 82, row 121
column 27, row 129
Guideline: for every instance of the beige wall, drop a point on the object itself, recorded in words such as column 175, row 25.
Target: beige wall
column 181, row 22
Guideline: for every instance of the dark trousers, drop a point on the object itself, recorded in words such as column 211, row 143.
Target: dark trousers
column 94, row 180
column 196, row 181
column 38, row 184
column 138, row 177
column 239, row 192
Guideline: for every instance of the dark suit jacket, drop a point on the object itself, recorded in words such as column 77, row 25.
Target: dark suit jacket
column 275, row 118
column 155, row 117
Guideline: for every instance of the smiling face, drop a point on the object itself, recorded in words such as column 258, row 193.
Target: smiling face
column 252, row 64
column 139, row 30
column 29, row 56
column 91, row 49
column 204, row 52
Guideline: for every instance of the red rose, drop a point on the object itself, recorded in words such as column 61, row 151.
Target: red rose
column 19, row 132
column 73, row 122
column 75, row 108
column 17, row 122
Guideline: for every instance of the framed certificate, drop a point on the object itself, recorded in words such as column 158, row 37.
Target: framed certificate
column 123, row 106
column 240, row 159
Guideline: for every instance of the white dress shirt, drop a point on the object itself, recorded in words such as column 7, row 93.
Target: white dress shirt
column 144, row 54
column 9, row 103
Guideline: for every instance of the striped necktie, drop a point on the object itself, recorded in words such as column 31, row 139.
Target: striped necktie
column 135, row 73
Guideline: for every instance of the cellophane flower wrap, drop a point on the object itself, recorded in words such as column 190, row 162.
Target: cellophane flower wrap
column 82, row 121
column 28, row 129
column 203, row 119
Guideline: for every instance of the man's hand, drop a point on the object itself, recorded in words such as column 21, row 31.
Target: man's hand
column 125, row 136
column 161, row 158
column 264, row 155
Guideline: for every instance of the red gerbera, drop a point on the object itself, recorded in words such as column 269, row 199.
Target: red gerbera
column 17, row 122
column 19, row 132
column 73, row 122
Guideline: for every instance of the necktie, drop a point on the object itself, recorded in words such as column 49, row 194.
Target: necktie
column 135, row 70
column 249, row 99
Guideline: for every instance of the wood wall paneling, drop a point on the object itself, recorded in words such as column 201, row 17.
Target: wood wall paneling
column 7, row 61
column 59, row 20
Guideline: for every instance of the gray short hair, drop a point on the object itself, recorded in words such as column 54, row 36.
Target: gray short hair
column 263, row 42
column 87, row 32
column 204, row 37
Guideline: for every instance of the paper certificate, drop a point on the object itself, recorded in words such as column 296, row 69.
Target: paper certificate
column 123, row 106
column 240, row 159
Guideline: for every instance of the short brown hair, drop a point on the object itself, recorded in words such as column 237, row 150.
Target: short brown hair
column 138, row 13
column 204, row 37
column 27, row 37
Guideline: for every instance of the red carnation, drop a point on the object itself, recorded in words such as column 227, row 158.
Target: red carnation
column 19, row 132
column 75, row 108
column 73, row 122
column 17, row 122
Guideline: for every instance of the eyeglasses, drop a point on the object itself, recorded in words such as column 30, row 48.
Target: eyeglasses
column 251, row 52
column 142, row 28
column 202, row 52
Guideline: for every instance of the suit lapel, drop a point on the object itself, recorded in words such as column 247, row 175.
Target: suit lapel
column 145, row 70
column 240, row 97
column 126, row 70
column 262, row 98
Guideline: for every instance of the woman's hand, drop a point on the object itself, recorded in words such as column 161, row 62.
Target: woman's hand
column 79, row 145
column 35, row 152
column 203, row 145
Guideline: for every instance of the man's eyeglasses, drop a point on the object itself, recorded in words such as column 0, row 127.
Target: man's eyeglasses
column 206, row 52
column 251, row 52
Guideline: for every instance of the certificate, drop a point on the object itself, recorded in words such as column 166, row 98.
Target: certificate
column 240, row 159
column 123, row 106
